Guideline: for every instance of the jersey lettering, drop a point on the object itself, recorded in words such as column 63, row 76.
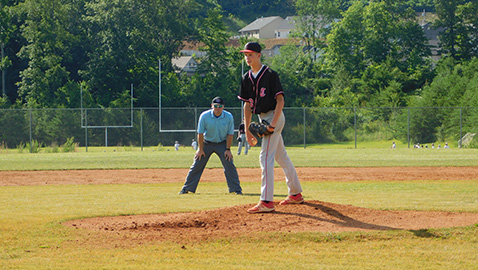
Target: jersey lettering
column 263, row 92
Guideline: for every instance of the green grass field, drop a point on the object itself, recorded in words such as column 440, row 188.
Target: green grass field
column 31, row 236
column 133, row 158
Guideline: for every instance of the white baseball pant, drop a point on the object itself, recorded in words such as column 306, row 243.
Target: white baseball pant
column 273, row 148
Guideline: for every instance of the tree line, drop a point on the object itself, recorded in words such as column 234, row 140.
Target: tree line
column 352, row 53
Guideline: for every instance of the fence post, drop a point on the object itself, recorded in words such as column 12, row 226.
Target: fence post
column 461, row 135
column 196, row 119
column 106, row 137
column 141, row 125
column 355, row 126
column 86, row 130
column 408, row 126
column 31, row 130
column 304, row 129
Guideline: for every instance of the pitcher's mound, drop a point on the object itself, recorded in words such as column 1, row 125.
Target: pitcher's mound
column 312, row 216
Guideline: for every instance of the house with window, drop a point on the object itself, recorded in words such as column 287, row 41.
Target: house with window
column 262, row 28
column 285, row 28
column 272, row 46
column 433, row 41
column 192, row 49
column 185, row 65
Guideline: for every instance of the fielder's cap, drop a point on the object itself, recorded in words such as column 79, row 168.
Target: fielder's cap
column 217, row 100
column 252, row 47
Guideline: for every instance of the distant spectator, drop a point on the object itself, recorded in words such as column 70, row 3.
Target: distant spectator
column 446, row 145
column 194, row 145
column 176, row 145
column 394, row 145
column 242, row 140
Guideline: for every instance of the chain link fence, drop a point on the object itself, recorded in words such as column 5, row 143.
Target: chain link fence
column 141, row 127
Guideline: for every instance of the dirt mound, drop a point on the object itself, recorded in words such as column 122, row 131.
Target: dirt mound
column 312, row 216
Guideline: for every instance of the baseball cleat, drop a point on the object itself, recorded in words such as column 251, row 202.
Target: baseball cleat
column 293, row 199
column 262, row 207
column 184, row 192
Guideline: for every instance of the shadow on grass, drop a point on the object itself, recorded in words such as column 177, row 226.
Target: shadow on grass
column 424, row 233
column 339, row 218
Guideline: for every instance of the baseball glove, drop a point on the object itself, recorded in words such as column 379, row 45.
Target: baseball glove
column 260, row 130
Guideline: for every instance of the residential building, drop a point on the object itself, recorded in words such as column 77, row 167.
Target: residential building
column 185, row 65
column 272, row 46
column 433, row 41
column 285, row 28
column 262, row 28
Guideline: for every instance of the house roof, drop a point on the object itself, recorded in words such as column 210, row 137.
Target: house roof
column 287, row 24
column 273, row 42
column 235, row 43
column 195, row 46
column 190, row 45
column 430, row 32
column 182, row 61
column 259, row 23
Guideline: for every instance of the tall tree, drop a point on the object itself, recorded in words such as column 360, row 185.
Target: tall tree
column 127, row 39
column 214, row 68
column 298, row 75
column 345, row 50
column 13, row 41
column 454, row 86
column 459, row 38
column 314, row 20
column 6, row 28
column 251, row 9
column 52, row 35
column 371, row 38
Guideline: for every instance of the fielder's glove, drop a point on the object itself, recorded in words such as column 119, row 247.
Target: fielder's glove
column 261, row 130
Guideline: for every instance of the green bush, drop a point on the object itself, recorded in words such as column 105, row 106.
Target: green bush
column 35, row 147
column 69, row 145
column 21, row 147
column 53, row 148
column 474, row 142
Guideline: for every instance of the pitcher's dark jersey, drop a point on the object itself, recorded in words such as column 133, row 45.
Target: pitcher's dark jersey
column 261, row 92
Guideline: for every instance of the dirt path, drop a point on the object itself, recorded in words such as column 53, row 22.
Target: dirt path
column 85, row 177
column 235, row 221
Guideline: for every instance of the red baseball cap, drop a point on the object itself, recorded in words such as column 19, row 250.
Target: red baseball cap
column 252, row 47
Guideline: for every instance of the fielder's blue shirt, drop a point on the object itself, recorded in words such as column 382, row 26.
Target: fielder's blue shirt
column 216, row 129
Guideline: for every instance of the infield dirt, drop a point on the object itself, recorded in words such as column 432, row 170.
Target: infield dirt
column 312, row 216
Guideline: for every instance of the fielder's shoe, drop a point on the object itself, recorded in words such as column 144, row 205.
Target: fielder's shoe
column 237, row 192
column 262, row 207
column 293, row 199
column 184, row 192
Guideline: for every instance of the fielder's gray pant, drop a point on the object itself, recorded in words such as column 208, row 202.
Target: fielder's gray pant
column 196, row 170
column 242, row 143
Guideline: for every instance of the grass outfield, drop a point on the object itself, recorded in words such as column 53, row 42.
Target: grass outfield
column 31, row 236
column 133, row 158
